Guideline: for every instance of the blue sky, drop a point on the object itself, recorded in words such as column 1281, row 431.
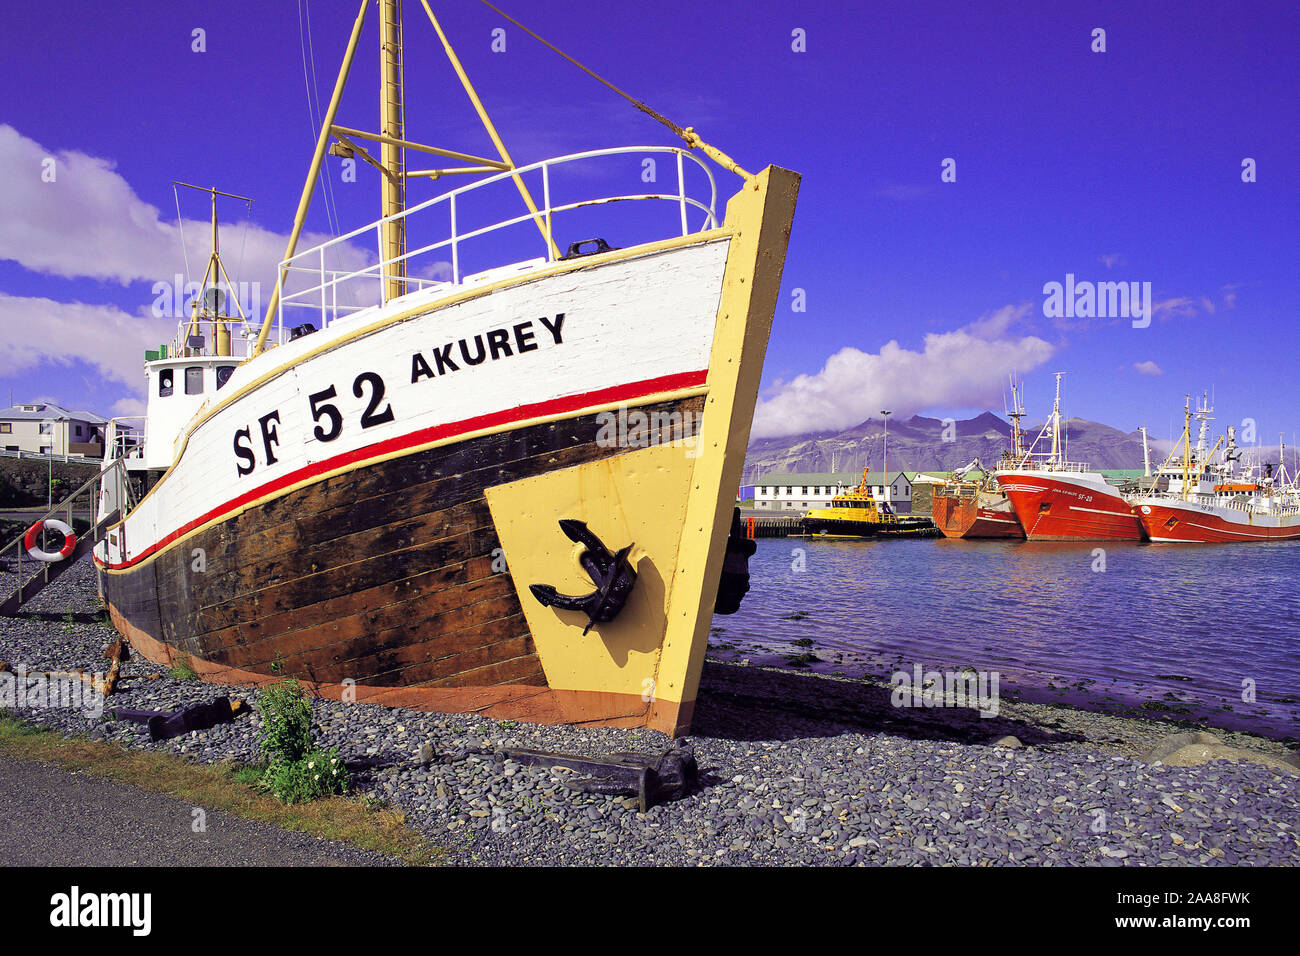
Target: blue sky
column 1116, row 165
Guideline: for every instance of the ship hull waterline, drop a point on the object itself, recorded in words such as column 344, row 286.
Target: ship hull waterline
column 1053, row 507
column 396, row 570
column 1177, row 522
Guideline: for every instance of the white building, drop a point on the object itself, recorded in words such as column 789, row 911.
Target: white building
column 43, row 428
column 802, row 491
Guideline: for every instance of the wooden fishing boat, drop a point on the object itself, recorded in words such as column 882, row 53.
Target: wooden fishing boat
column 509, row 492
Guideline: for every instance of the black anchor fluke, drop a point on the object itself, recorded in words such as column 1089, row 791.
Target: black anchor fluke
column 612, row 574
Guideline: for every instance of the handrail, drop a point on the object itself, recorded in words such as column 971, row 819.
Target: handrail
column 120, row 438
column 1045, row 463
column 117, row 467
column 65, row 506
column 323, row 296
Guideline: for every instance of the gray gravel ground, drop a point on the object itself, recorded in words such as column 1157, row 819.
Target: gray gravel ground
column 797, row 769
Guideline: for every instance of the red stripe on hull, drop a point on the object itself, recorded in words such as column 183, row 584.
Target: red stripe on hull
column 621, row 393
column 1191, row 525
column 1054, row 509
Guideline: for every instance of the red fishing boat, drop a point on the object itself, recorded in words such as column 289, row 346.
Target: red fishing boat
column 1059, row 500
column 1207, row 503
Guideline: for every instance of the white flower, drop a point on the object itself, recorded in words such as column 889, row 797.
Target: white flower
column 311, row 765
column 317, row 777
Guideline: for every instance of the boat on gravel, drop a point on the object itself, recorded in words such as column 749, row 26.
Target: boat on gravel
column 465, row 463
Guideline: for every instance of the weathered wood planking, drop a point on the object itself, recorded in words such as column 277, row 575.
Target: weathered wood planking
column 383, row 575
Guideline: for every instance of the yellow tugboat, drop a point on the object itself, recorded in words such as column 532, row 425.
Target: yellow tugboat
column 857, row 514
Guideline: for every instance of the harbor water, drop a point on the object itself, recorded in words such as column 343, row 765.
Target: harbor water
column 1181, row 632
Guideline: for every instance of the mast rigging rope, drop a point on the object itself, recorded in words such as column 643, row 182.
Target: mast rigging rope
column 305, row 45
column 627, row 96
column 688, row 135
column 180, row 224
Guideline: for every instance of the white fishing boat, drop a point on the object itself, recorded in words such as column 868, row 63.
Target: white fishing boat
column 509, row 491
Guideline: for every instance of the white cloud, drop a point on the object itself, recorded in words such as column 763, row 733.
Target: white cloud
column 89, row 223
column 38, row 330
column 1147, row 368
column 129, row 408
column 1180, row 307
column 966, row 368
column 1111, row 260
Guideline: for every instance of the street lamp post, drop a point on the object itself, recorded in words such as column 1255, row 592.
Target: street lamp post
column 885, row 415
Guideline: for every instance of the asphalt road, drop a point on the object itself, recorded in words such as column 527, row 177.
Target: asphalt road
column 56, row 817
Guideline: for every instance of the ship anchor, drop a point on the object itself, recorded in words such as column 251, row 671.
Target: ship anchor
column 610, row 572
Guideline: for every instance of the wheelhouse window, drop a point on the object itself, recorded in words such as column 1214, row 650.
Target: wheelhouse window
column 223, row 374
column 165, row 383
column 194, row 380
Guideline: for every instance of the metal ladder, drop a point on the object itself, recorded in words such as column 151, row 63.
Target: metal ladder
column 44, row 573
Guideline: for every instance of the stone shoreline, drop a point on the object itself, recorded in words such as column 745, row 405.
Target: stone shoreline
column 796, row 769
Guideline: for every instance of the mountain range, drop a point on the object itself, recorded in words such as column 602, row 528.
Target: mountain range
column 931, row 444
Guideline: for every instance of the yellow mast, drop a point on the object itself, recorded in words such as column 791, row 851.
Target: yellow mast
column 392, row 156
column 322, row 143
column 220, row 332
column 1187, row 444
column 391, row 161
column 509, row 163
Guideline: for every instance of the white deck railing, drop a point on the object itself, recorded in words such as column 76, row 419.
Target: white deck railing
column 1044, row 462
column 323, row 297
column 125, row 441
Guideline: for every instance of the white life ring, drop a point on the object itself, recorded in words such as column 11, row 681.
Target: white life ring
column 33, row 535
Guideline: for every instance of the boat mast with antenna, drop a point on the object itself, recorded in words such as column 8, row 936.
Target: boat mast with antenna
column 1016, row 413
column 1056, row 457
column 209, row 305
